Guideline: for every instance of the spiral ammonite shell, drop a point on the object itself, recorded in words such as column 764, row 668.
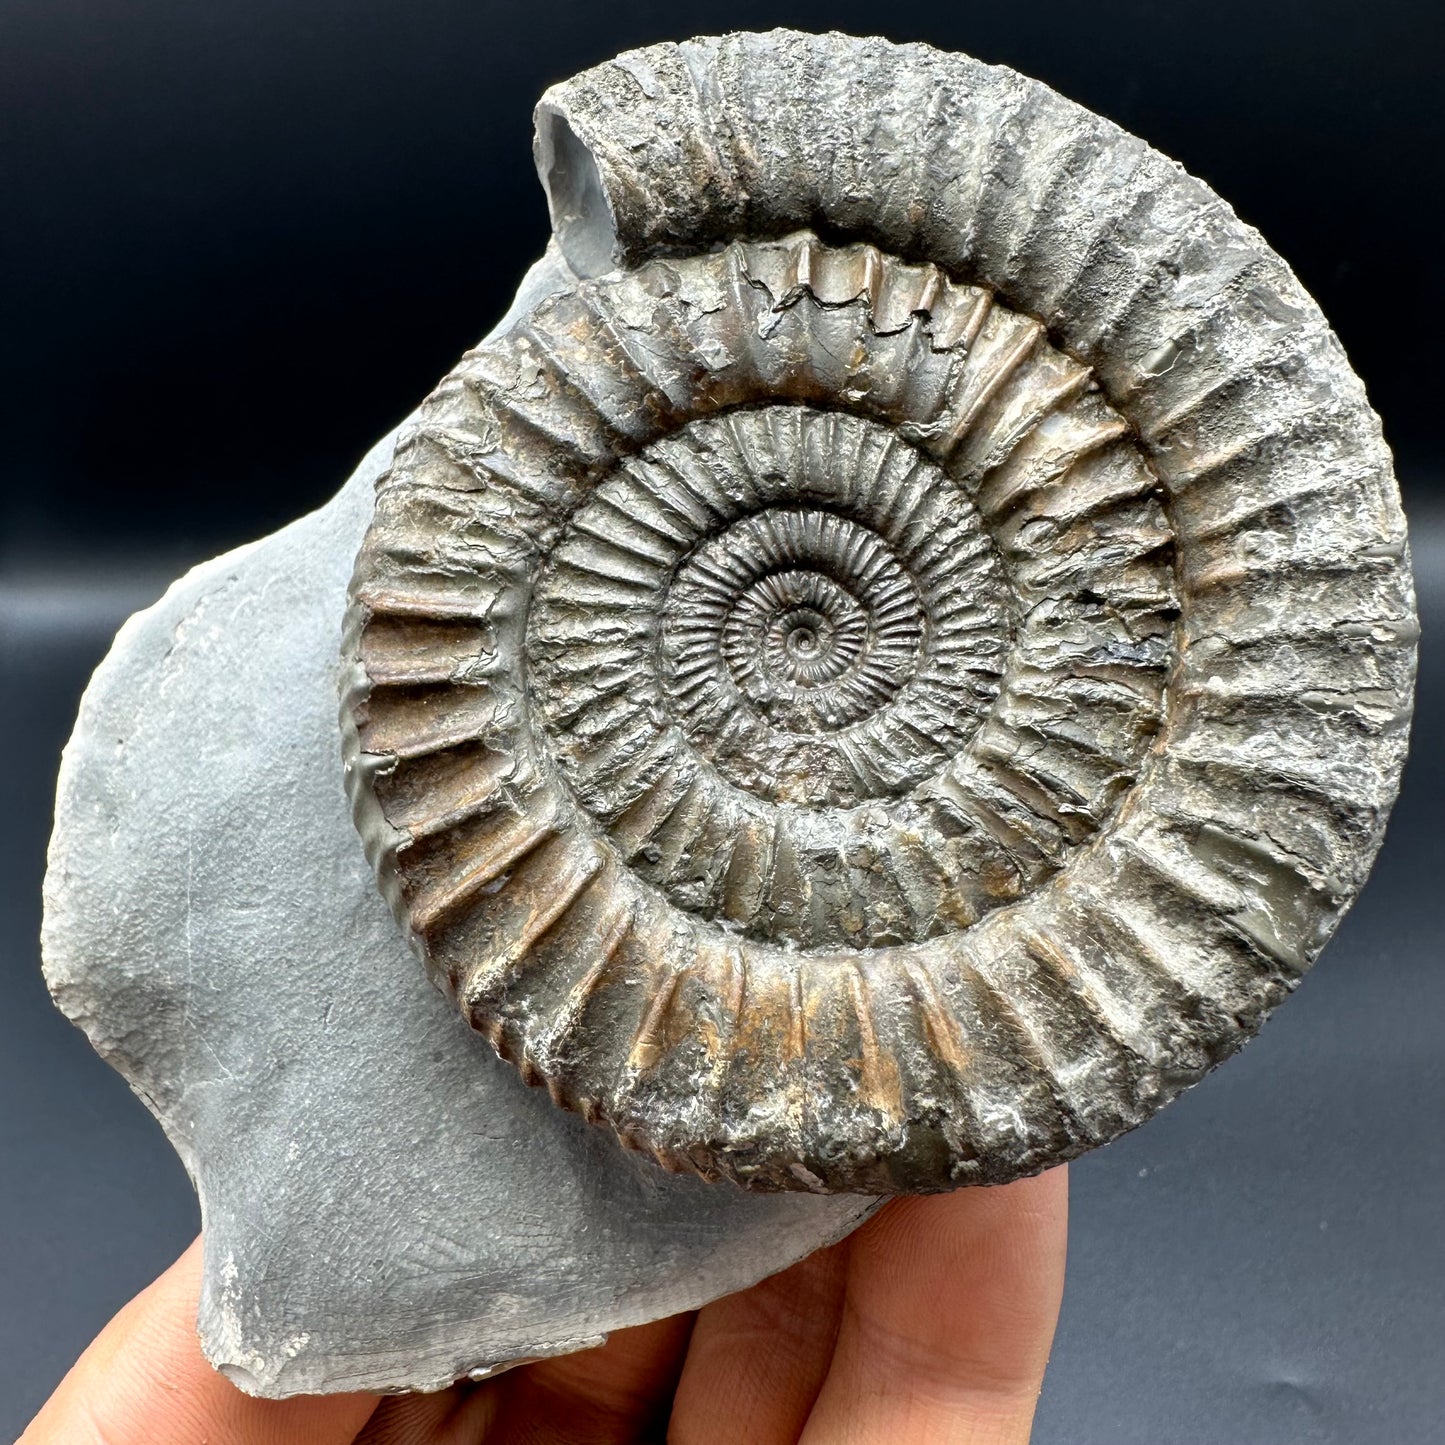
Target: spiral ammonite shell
column 889, row 677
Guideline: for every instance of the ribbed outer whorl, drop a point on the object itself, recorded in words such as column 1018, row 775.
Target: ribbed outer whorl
column 891, row 677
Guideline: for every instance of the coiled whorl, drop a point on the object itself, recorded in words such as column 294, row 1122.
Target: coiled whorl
column 892, row 676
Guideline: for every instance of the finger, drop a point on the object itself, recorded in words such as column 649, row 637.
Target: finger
column 758, row 1358
column 948, row 1316
column 621, row 1391
column 459, row 1416
column 144, row 1381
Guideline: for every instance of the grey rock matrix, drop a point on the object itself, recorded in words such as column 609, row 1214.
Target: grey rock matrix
column 385, row 1205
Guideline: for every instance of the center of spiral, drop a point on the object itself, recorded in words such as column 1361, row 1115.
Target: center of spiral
column 802, row 640
column 787, row 635
column 812, row 614
column 786, row 604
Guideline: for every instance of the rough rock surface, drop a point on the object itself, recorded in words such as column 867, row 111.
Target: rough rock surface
column 385, row 1203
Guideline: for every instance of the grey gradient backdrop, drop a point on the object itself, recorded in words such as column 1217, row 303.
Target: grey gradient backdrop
column 241, row 238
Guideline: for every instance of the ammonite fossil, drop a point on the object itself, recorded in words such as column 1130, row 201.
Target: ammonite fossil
column 890, row 677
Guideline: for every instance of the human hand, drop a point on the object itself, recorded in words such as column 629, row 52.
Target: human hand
column 931, row 1324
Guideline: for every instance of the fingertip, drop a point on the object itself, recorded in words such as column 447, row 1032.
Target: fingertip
column 144, row 1381
column 950, row 1311
column 978, row 1231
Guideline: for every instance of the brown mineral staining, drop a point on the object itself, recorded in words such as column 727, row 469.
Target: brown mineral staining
column 889, row 712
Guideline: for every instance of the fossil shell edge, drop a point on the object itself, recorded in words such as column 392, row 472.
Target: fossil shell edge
column 896, row 673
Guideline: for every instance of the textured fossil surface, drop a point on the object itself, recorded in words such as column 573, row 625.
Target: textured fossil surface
column 891, row 678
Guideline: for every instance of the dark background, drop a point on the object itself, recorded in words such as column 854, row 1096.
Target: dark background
column 239, row 241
